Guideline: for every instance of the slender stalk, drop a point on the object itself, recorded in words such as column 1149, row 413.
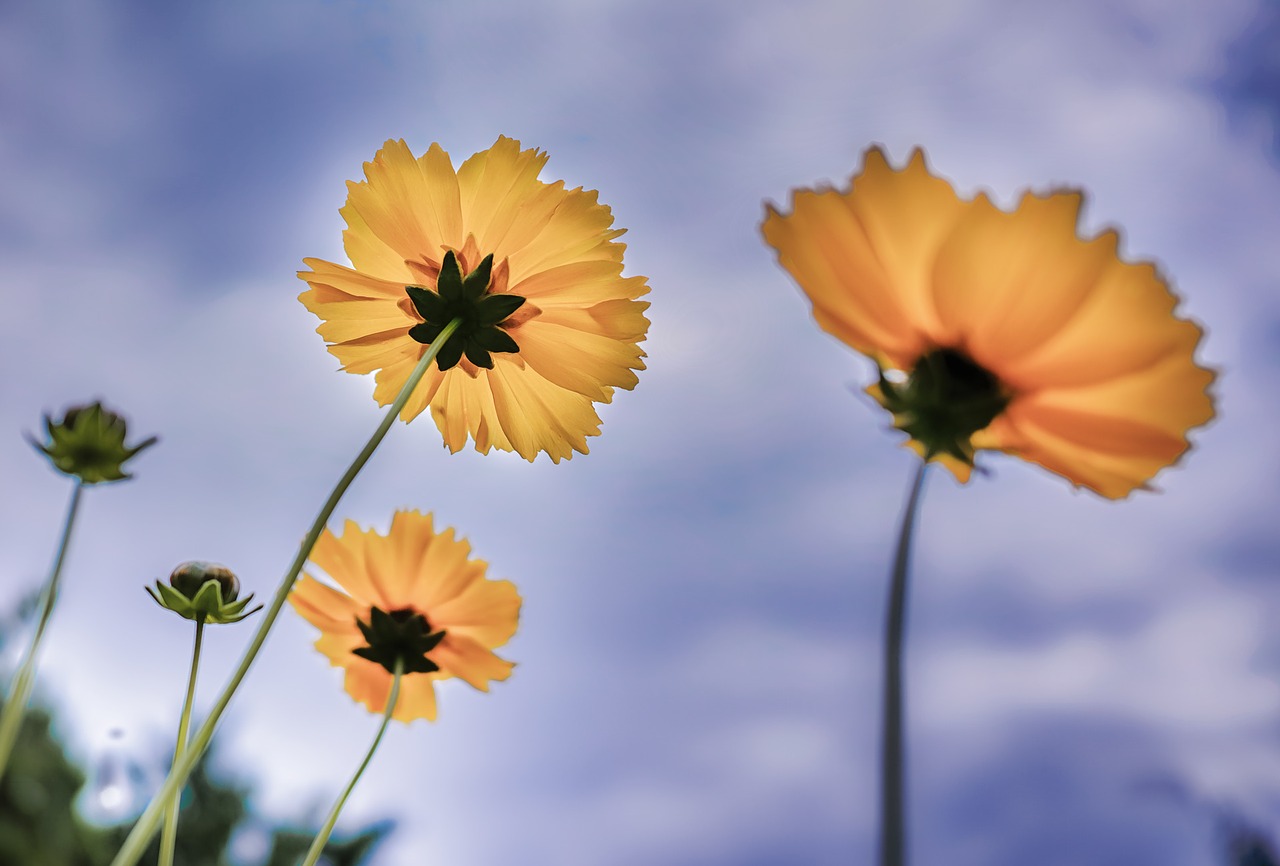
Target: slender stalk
column 141, row 834
column 169, row 835
column 15, row 706
column 322, row 838
column 893, row 844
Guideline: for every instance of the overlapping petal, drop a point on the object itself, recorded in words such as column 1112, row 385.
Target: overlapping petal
column 579, row 331
column 415, row 568
column 1101, row 371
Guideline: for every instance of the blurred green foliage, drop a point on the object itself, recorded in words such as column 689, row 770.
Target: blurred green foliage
column 39, row 825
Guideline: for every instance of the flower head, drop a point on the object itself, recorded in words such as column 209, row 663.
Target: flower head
column 88, row 443
column 550, row 325
column 998, row 330
column 411, row 593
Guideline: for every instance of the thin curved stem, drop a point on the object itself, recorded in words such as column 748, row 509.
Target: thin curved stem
column 141, row 834
column 893, row 844
column 322, row 838
column 15, row 706
column 169, row 835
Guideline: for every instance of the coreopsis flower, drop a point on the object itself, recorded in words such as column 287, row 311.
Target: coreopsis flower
column 550, row 325
column 411, row 594
column 999, row 330
column 88, row 443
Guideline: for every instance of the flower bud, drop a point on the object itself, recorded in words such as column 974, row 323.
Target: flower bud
column 88, row 443
column 188, row 577
column 204, row 592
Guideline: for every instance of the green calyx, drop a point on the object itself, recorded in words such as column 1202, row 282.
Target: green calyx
column 401, row 635
column 945, row 399
column 204, row 592
column 88, row 443
column 469, row 299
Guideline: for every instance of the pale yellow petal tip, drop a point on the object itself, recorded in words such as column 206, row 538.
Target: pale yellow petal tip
column 412, row 568
column 404, row 217
column 902, row 269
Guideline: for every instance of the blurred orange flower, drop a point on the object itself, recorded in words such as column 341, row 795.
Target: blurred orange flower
column 997, row 330
column 411, row 570
column 572, row 338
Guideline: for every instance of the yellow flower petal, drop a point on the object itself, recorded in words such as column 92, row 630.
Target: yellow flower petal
column 411, row 568
column 560, row 252
column 1096, row 373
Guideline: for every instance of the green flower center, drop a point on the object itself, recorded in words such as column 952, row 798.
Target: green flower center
column 402, row 635
column 467, row 298
column 946, row 398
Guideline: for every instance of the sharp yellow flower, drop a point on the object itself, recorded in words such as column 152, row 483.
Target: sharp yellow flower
column 551, row 325
column 998, row 330
column 411, row 592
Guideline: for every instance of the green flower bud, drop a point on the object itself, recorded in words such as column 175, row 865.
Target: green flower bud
column 88, row 443
column 204, row 592
column 189, row 577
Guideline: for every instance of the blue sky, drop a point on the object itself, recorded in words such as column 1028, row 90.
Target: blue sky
column 699, row 650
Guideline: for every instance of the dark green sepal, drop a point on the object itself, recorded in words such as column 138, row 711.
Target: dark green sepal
column 450, row 353
column 476, row 283
column 88, row 443
column 477, row 354
column 946, row 398
column 426, row 332
column 449, row 282
column 492, row 309
column 495, row 340
column 428, row 304
column 402, row 636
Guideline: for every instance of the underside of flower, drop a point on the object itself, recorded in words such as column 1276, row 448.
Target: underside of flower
column 945, row 399
column 1014, row 331
column 471, row 299
column 552, row 331
column 403, row 636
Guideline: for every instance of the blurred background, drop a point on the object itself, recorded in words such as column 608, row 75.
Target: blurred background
column 1090, row 682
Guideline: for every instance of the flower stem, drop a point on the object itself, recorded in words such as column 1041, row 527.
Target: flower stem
column 15, row 705
column 136, row 843
column 893, row 846
column 169, row 835
column 322, row 838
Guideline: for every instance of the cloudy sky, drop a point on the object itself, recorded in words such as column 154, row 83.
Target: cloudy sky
column 1090, row 682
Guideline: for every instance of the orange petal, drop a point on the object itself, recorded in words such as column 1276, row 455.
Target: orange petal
column 487, row 611
column 1004, row 283
column 409, row 205
column 343, row 559
column 325, row 607
column 865, row 257
column 466, row 659
column 1127, row 325
column 582, row 361
column 417, row 698
column 493, row 185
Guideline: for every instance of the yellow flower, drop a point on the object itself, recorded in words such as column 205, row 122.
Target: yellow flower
column 410, row 571
column 577, row 330
column 1041, row 343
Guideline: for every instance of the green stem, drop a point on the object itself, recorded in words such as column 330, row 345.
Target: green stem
column 169, row 835
column 136, row 843
column 893, row 845
column 15, row 705
column 322, row 838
